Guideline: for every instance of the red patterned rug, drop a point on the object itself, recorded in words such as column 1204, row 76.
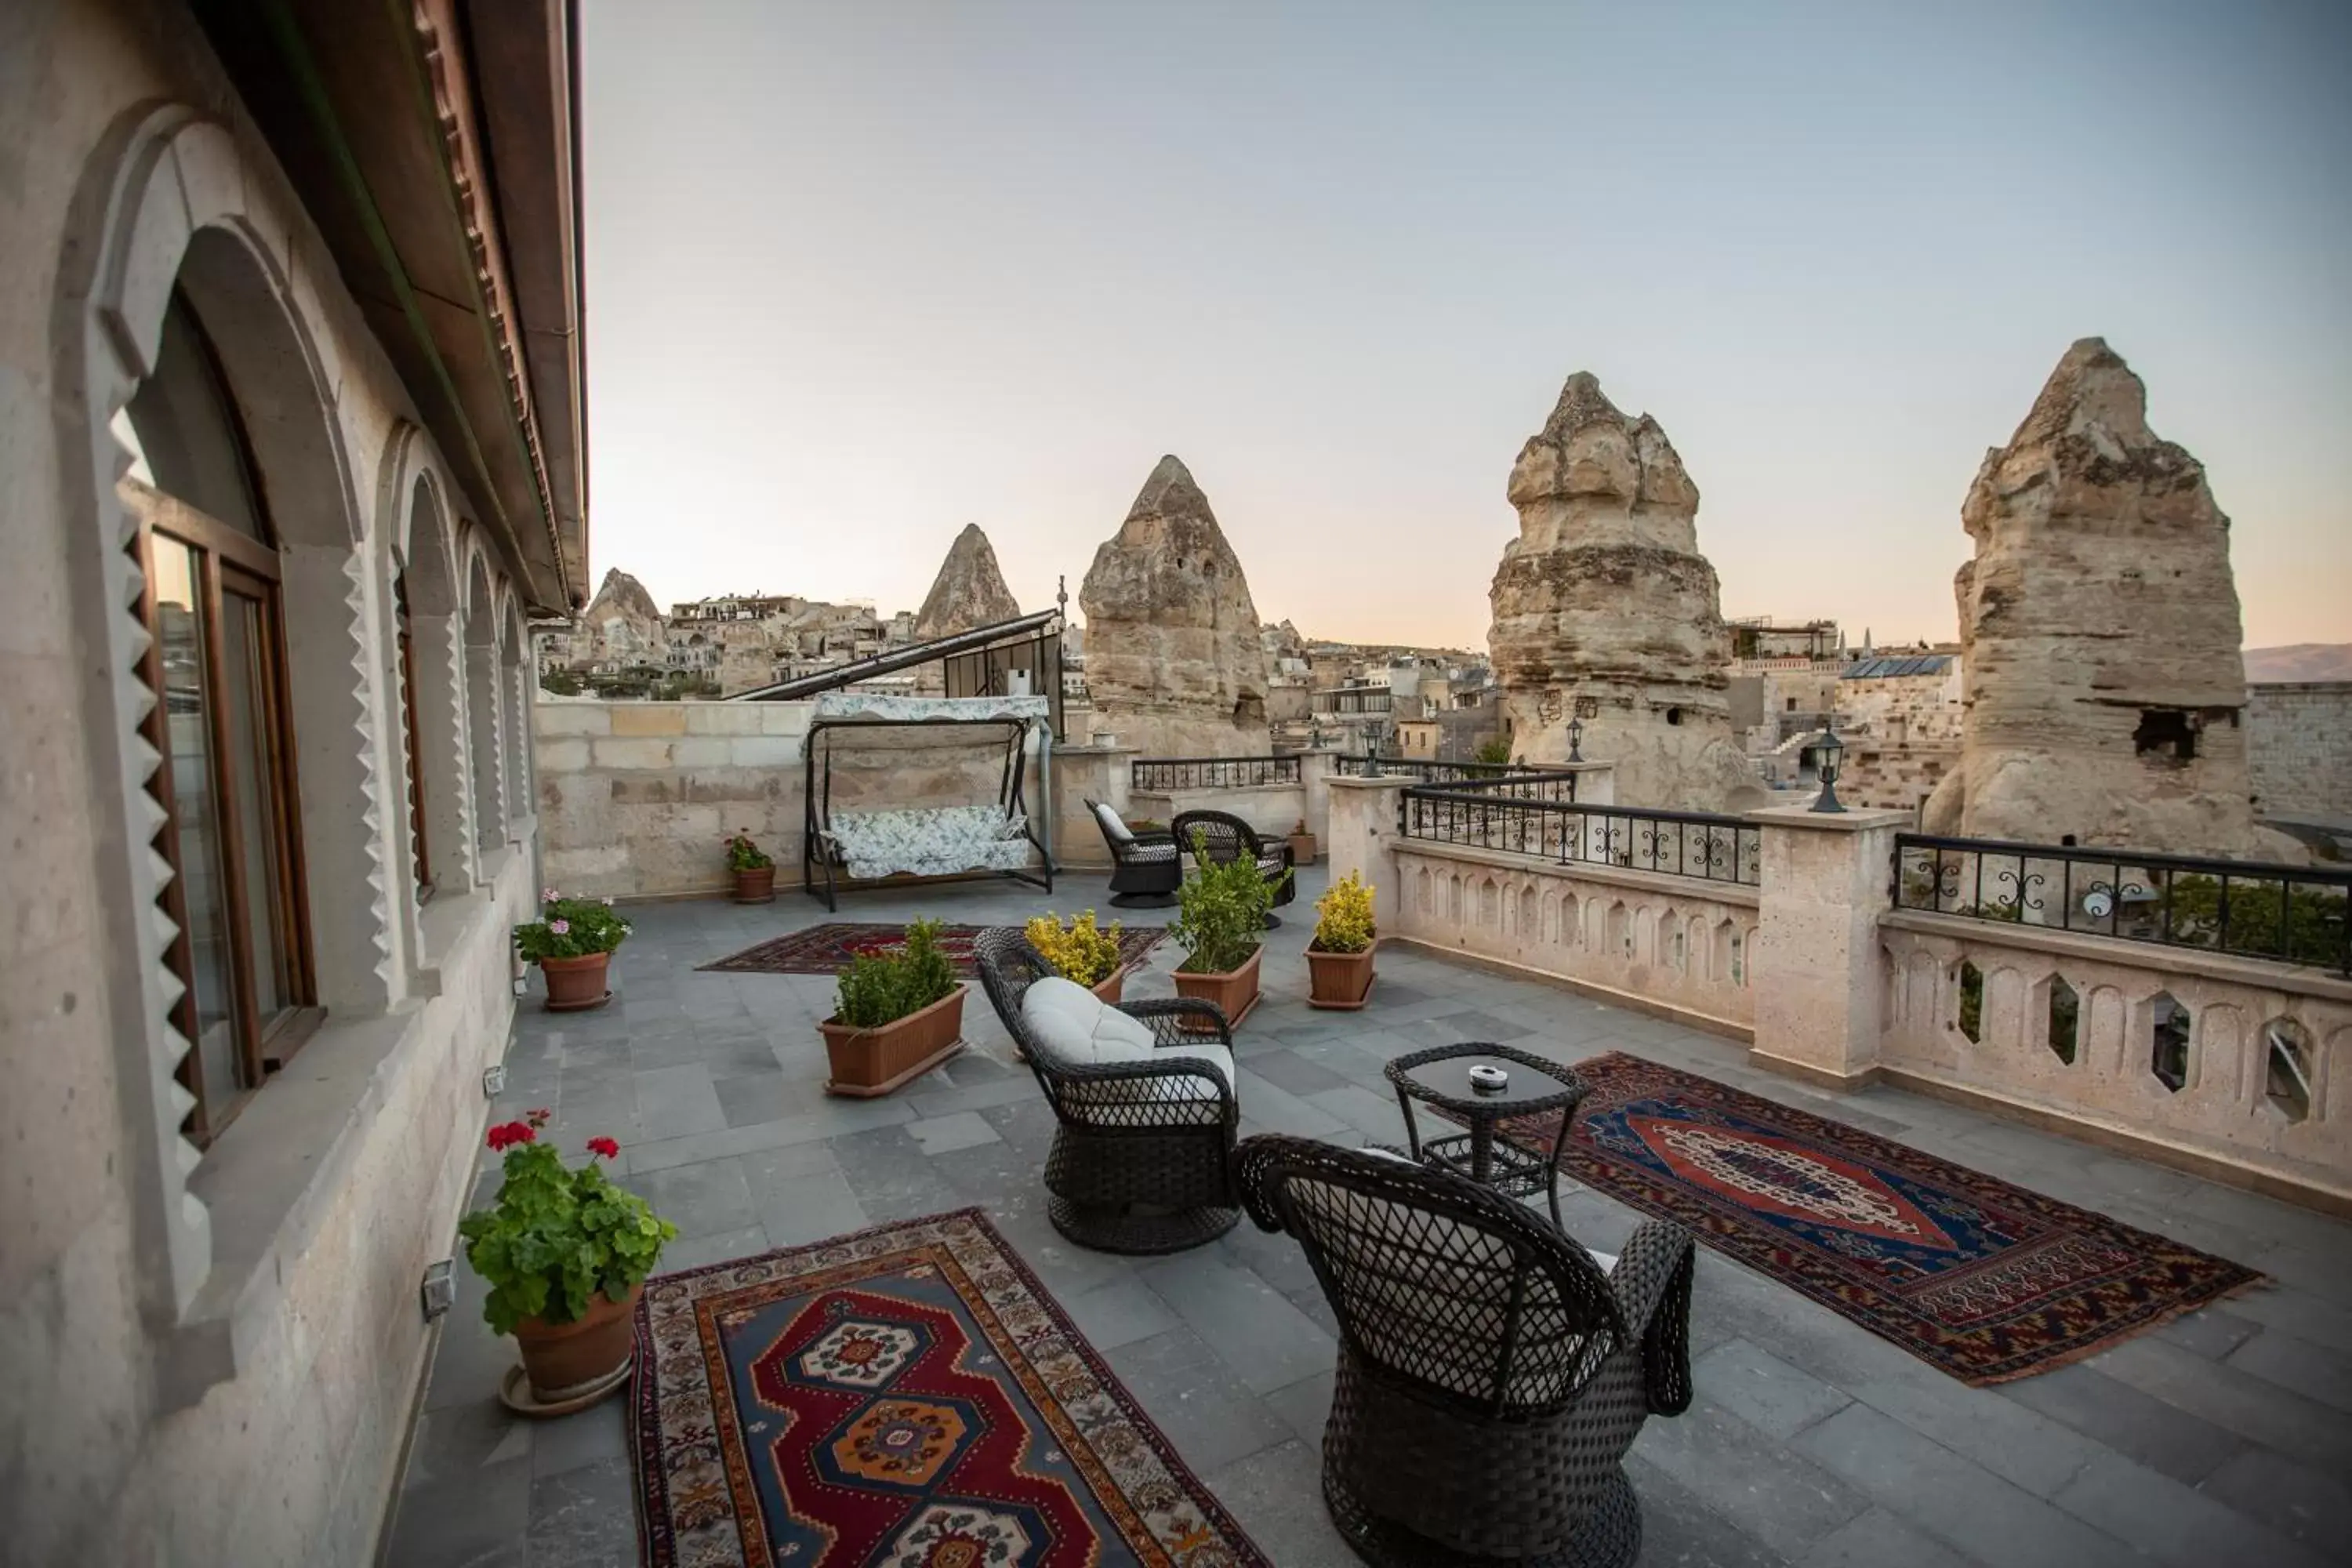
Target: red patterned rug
column 1978, row 1277
column 827, row 949
column 906, row 1397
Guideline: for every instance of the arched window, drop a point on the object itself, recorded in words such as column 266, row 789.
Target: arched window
column 217, row 663
column 419, row 844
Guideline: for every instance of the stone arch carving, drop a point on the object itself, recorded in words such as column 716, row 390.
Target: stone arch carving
column 2105, row 1017
column 2218, row 1057
column 1571, row 922
column 1530, row 919
column 166, row 202
column 1453, row 898
column 2004, row 1007
column 1920, row 974
column 1490, row 912
column 1619, row 932
column 1421, row 892
column 483, row 745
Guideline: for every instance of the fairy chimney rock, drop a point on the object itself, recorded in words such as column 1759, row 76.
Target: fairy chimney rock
column 1175, row 662
column 622, row 621
column 969, row 591
column 1605, row 612
column 2099, row 634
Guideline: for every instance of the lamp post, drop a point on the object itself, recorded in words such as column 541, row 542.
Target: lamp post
column 1575, row 740
column 1832, row 749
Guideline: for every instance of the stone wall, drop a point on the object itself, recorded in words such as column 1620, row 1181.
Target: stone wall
column 2299, row 749
column 633, row 797
column 211, row 1357
column 2222, row 1116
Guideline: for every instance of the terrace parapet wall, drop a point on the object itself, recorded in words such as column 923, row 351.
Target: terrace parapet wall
column 1832, row 985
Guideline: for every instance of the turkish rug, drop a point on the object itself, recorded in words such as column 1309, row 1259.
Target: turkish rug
column 908, row 1397
column 827, row 949
column 1977, row 1277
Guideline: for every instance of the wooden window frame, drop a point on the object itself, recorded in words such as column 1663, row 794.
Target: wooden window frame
column 229, row 561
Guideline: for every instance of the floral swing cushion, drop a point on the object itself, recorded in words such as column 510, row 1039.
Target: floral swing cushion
column 930, row 841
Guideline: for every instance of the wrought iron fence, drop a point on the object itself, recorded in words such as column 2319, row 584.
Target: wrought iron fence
column 1702, row 845
column 1165, row 773
column 1477, row 773
column 2295, row 914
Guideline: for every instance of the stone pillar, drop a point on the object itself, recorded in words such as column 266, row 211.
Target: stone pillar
column 1818, row 970
column 1315, row 771
column 1363, row 825
column 1596, row 782
column 1082, row 773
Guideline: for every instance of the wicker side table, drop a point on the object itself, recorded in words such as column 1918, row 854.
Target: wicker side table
column 1440, row 1076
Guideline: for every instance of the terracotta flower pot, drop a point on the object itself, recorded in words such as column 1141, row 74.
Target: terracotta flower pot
column 757, row 885
column 1112, row 987
column 576, row 984
column 1302, row 848
column 1235, row 991
column 869, row 1062
column 1337, row 980
column 564, row 1361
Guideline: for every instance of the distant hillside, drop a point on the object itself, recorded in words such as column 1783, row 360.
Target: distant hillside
column 2299, row 661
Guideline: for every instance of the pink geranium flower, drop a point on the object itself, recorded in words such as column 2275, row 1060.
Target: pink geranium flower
column 559, row 928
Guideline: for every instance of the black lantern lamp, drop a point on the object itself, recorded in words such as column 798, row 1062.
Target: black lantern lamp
column 1832, row 751
column 1575, row 740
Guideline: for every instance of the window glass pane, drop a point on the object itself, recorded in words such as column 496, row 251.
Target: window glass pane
column 184, row 434
column 179, row 632
column 244, row 693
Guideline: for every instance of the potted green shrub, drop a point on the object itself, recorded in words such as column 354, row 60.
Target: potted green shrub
column 755, row 872
column 898, row 1013
column 565, row 1253
column 1339, row 959
column 1302, row 845
column 572, row 942
column 1080, row 952
column 1221, row 926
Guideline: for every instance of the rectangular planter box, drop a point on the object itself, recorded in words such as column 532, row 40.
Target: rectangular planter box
column 870, row 1062
column 1234, row 992
column 1340, row 981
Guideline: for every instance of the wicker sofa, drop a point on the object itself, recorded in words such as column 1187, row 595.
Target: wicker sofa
column 1492, row 1374
column 1144, row 1095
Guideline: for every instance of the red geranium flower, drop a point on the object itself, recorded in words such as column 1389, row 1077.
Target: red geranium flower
column 507, row 1134
column 604, row 1148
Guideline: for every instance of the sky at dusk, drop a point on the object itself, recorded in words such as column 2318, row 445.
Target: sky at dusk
column 860, row 274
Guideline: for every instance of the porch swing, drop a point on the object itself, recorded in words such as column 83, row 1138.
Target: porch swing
column 846, row 849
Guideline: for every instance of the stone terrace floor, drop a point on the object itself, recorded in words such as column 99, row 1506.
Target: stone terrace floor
column 2225, row 1436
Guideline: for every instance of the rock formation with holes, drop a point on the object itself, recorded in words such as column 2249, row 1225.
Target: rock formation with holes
column 1605, row 612
column 1175, row 662
column 969, row 591
column 2099, row 634
column 622, row 623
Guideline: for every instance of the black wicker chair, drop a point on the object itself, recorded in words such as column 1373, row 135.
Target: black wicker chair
column 1145, row 870
column 1140, row 1163
column 1225, row 838
column 1491, row 1375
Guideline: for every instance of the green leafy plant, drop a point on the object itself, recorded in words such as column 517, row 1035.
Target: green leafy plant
column 571, row 928
column 1077, row 952
column 562, row 682
column 743, row 855
column 1343, row 916
column 887, row 982
column 556, row 1237
column 1494, row 753
column 1221, row 916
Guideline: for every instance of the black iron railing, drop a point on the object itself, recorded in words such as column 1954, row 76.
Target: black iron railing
column 1432, row 773
column 1486, row 816
column 1165, row 773
column 2295, row 914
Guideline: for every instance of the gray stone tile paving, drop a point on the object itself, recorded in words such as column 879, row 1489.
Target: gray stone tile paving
column 2224, row 1436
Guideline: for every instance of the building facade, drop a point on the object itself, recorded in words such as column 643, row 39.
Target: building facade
column 291, row 390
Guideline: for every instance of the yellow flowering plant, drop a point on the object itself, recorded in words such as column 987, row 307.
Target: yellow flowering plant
column 1077, row 952
column 1343, row 916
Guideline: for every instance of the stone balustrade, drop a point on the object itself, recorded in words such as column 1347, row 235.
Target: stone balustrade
column 2239, row 1068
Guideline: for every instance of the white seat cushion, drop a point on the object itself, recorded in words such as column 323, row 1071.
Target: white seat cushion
column 1071, row 1025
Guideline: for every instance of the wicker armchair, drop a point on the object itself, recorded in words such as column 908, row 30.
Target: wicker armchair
column 1140, row 1163
column 1491, row 1374
column 1225, row 838
column 1145, row 870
